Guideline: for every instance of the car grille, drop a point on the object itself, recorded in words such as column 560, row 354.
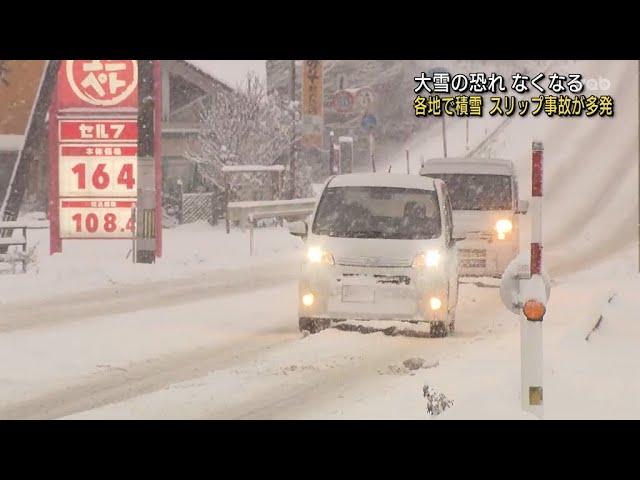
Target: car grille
column 473, row 257
column 374, row 261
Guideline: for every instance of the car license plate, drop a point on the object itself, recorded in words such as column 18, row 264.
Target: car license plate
column 357, row 293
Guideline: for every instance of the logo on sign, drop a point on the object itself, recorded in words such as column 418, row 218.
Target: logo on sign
column 103, row 83
column 343, row 101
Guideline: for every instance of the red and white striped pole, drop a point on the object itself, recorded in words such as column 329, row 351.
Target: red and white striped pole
column 534, row 297
column 536, row 208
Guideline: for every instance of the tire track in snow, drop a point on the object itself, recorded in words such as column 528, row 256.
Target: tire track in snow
column 132, row 298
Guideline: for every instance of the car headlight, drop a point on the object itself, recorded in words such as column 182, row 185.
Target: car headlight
column 431, row 258
column 503, row 227
column 317, row 255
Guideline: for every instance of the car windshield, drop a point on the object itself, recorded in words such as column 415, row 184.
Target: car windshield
column 477, row 192
column 378, row 212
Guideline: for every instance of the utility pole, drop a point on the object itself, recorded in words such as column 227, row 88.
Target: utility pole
column 372, row 151
column 467, row 134
column 444, row 136
column 146, row 201
column 408, row 167
column 292, row 148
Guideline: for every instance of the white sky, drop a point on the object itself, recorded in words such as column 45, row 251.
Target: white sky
column 232, row 72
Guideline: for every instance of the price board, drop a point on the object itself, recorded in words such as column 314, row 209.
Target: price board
column 97, row 170
column 97, row 219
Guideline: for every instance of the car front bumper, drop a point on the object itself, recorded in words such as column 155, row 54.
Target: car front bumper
column 379, row 293
column 485, row 257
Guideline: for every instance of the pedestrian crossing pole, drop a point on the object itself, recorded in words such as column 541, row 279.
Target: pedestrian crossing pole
column 534, row 307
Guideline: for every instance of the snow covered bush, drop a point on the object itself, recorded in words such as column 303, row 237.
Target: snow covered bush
column 436, row 402
column 245, row 127
column 16, row 258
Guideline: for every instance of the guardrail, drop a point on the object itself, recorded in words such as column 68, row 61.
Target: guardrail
column 7, row 239
column 240, row 211
column 253, row 217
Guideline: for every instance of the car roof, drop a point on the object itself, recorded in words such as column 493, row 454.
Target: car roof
column 478, row 165
column 382, row 179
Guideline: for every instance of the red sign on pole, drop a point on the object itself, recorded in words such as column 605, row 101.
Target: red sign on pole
column 93, row 157
column 98, row 84
column 92, row 130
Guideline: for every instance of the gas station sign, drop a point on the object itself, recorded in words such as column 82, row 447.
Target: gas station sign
column 96, row 218
column 94, row 145
column 96, row 84
column 92, row 130
column 97, row 170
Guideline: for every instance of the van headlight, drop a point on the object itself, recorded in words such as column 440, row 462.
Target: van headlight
column 318, row 255
column 431, row 258
column 503, row 227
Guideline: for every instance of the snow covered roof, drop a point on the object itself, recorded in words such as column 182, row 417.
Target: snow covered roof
column 489, row 166
column 382, row 179
column 205, row 67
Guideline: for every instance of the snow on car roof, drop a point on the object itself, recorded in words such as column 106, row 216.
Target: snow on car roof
column 382, row 179
column 495, row 166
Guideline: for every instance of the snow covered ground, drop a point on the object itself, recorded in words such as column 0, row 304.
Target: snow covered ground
column 350, row 375
column 196, row 249
column 210, row 332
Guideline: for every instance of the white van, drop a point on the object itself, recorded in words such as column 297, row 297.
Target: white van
column 379, row 246
column 484, row 198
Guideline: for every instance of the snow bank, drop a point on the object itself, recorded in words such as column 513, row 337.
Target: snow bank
column 189, row 250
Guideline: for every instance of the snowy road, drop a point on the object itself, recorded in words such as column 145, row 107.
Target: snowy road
column 259, row 352
column 229, row 357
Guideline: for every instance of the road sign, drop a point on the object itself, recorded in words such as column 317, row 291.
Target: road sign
column 364, row 97
column 312, row 103
column 343, row 101
column 369, row 121
column 98, row 84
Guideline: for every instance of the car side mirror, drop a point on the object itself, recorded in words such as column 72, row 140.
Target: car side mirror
column 298, row 229
column 523, row 207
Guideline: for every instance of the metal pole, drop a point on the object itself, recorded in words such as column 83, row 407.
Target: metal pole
column 531, row 331
column 444, row 137
column 408, row 167
column 372, row 152
column 292, row 148
column 467, row 134
column 251, row 224
column 146, row 204
column 332, row 156
column 157, row 151
column 55, row 243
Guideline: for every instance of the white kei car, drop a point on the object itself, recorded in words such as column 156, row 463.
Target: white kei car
column 379, row 246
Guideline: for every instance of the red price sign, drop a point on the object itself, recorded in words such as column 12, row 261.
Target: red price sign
column 98, row 84
column 97, row 170
column 88, row 218
column 90, row 130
